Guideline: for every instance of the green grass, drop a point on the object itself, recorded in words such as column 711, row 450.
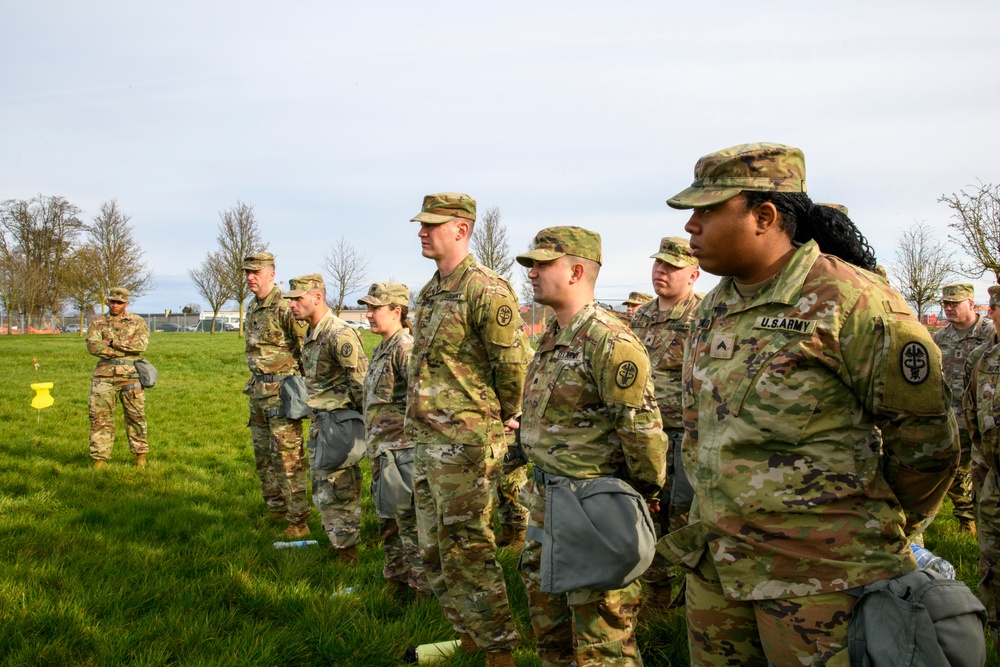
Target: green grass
column 174, row 564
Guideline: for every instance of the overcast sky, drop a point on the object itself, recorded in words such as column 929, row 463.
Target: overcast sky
column 334, row 119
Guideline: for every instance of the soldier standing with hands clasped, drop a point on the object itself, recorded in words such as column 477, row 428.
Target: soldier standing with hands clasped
column 466, row 374
column 117, row 339
column 589, row 412
column 966, row 331
column 273, row 346
column 662, row 325
column 334, row 364
column 818, row 427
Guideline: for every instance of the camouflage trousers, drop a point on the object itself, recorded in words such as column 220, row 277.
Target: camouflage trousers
column 337, row 496
column 454, row 492
column 510, row 510
column 988, row 522
column 279, row 455
column 104, row 392
column 671, row 516
column 960, row 491
column 810, row 630
column 400, row 544
column 584, row 627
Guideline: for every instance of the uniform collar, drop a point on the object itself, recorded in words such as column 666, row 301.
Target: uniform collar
column 564, row 336
column 451, row 283
column 324, row 323
column 268, row 300
column 785, row 287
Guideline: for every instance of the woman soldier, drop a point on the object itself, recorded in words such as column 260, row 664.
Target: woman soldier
column 391, row 455
column 795, row 360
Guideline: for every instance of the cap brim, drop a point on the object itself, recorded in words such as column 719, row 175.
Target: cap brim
column 698, row 197
column 117, row 301
column 369, row 300
column 295, row 293
column 673, row 260
column 431, row 218
column 538, row 255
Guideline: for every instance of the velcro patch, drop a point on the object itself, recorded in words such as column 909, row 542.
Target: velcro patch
column 912, row 370
column 792, row 324
column 723, row 346
column 626, row 372
column 501, row 321
column 346, row 349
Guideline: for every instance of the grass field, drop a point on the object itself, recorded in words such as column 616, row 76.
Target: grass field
column 173, row 564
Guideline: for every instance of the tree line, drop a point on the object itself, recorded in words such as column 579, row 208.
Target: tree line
column 50, row 258
column 923, row 263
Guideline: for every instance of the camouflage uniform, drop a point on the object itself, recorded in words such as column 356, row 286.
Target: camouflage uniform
column 982, row 414
column 589, row 412
column 115, row 377
column 663, row 333
column 273, row 346
column 956, row 345
column 795, row 499
column 385, row 409
column 466, row 375
column 334, row 364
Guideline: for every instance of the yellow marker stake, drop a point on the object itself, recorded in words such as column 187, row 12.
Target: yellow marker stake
column 42, row 398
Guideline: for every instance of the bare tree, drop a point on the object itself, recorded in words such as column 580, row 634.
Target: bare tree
column 239, row 237
column 36, row 236
column 977, row 223
column 922, row 266
column 348, row 270
column 119, row 256
column 210, row 280
column 83, row 290
column 489, row 243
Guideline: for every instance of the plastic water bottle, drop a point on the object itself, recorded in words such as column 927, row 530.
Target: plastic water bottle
column 431, row 654
column 926, row 560
column 297, row 544
column 342, row 593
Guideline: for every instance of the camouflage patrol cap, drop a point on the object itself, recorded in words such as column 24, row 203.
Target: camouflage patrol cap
column 994, row 291
column 386, row 294
column 554, row 242
column 444, row 206
column 637, row 299
column 958, row 292
column 301, row 284
column 119, row 294
column 675, row 251
column 835, row 207
column 258, row 261
column 762, row 167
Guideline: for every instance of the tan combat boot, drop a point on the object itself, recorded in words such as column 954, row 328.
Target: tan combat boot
column 968, row 526
column 98, row 464
column 349, row 555
column 297, row 530
column 140, row 460
column 502, row 659
column 511, row 537
column 468, row 644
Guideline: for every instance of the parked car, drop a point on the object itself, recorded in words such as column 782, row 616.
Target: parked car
column 206, row 325
column 363, row 324
column 168, row 326
column 191, row 327
column 73, row 328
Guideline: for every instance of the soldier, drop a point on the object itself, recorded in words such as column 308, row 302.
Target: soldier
column 966, row 330
column 117, row 339
column 466, row 375
column 334, row 363
column 273, row 349
column 385, row 409
column 634, row 300
column 583, row 420
column 662, row 325
column 982, row 414
column 794, row 360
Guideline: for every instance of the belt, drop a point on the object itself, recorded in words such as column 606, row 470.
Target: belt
column 130, row 387
column 270, row 378
column 117, row 362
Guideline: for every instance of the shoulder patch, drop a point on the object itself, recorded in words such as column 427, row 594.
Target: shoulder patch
column 346, row 350
column 913, row 381
column 626, row 373
column 500, row 321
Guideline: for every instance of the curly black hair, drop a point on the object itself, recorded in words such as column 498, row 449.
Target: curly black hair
column 803, row 220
